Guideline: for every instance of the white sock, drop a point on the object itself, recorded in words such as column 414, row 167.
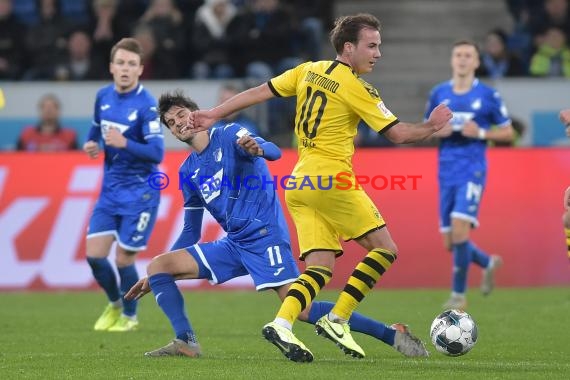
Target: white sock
column 335, row 318
column 283, row 323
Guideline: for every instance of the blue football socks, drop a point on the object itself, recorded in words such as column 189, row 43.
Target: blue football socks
column 129, row 277
column 170, row 300
column 105, row 277
column 357, row 322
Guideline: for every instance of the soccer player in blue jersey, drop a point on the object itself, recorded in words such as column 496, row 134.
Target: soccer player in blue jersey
column 463, row 165
column 227, row 175
column 565, row 119
column 127, row 125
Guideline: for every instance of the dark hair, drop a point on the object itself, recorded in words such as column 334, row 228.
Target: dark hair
column 468, row 43
column 128, row 44
column 347, row 28
column 49, row 98
column 499, row 32
column 174, row 99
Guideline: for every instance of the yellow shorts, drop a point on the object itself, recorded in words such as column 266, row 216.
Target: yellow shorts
column 322, row 216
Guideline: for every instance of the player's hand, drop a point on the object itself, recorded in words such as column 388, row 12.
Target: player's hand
column 439, row 117
column 567, row 199
column 115, row 138
column 201, row 120
column 446, row 131
column 250, row 145
column 470, row 129
column 91, row 148
column 138, row 290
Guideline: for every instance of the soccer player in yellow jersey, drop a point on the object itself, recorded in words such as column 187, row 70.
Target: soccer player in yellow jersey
column 565, row 119
column 331, row 100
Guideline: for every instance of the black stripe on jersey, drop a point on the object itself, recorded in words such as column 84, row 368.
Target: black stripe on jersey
column 389, row 126
column 273, row 90
column 332, row 67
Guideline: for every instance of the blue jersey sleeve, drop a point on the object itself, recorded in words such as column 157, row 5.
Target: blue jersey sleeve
column 193, row 214
column 192, row 226
column 153, row 150
column 271, row 151
column 499, row 113
column 94, row 133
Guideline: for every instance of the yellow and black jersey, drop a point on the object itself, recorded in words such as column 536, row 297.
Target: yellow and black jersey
column 331, row 100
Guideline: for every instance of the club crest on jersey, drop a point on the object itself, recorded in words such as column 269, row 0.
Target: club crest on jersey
column 476, row 104
column 132, row 115
column 218, row 155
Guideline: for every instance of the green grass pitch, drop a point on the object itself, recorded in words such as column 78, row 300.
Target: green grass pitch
column 523, row 334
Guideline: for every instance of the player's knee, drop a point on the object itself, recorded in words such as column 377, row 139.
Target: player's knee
column 159, row 264
column 566, row 219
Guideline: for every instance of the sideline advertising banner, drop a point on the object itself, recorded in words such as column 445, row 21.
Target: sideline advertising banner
column 46, row 201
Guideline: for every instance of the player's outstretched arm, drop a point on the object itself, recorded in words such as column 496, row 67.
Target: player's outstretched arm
column 403, row 133
column 265, row 149
column 201, row 120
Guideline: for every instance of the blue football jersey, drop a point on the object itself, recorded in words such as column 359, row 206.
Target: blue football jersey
column 236, row 188
column 125, row 173
column 459, row 156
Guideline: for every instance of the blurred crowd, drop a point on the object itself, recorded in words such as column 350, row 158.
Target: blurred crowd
column 69, row 40
column 537, row 45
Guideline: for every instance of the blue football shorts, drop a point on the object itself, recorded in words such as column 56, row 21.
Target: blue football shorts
column 131, row 231
column 460, row 201
column 270, row 264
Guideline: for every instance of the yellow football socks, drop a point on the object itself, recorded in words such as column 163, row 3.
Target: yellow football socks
column 364, row 277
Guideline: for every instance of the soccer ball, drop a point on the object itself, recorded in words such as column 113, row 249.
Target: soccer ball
column 453, row 333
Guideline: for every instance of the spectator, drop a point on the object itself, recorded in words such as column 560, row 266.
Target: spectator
column 26, row 11
column 11, row 51
column 106, row 28
column 166, row 22
column 79, row 64
column 552, row 58
column 227, row 91
column 46, row 41
column 156, row 66
column 260, row 39
column 210, row 41
column 311, row 17
column 48, row 135
column 553, row 13
column 496, row 61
